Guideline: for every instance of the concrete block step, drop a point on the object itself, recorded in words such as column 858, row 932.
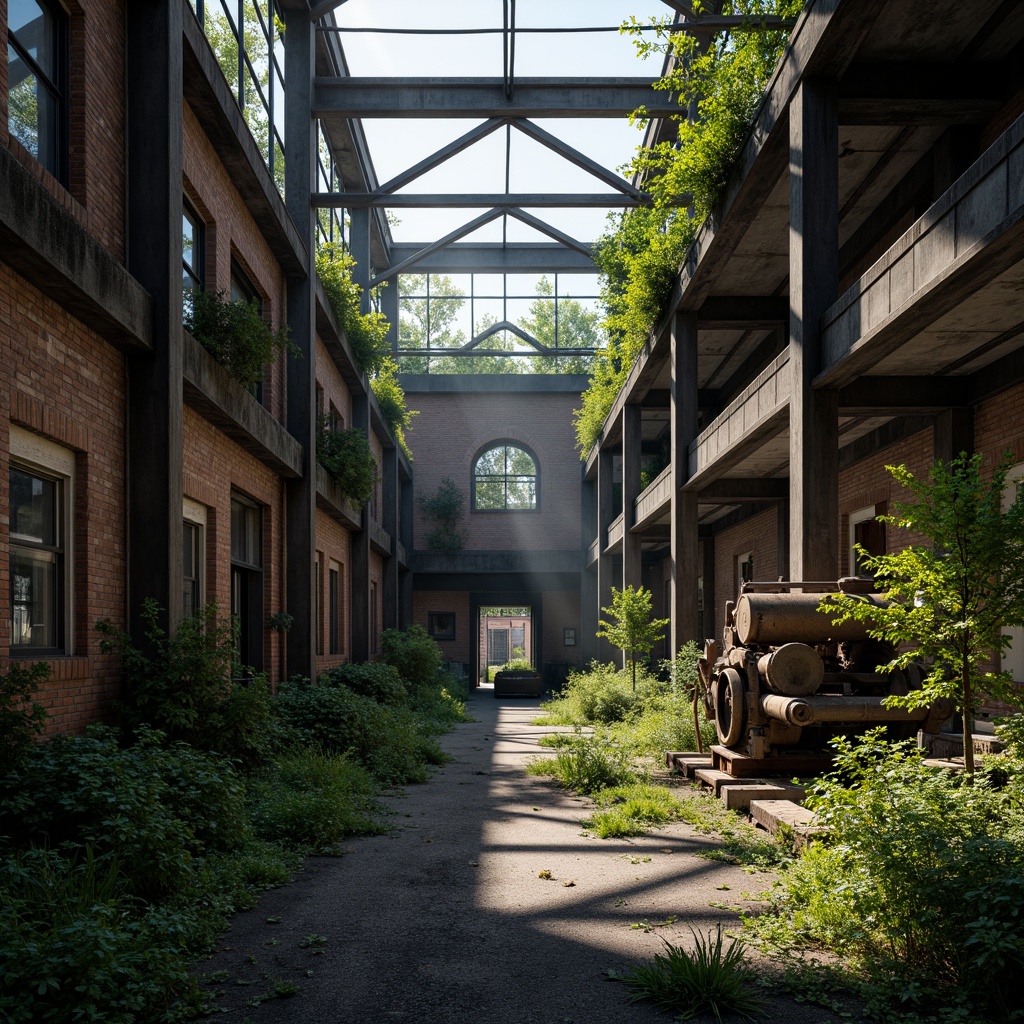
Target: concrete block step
column 773, row 814
column 687, row 762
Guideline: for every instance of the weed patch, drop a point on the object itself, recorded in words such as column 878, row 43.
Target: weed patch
column 632, row 810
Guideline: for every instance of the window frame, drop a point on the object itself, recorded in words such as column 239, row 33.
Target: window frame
column 247, row 578
column 505, row 443
column 436, row 625
column 57, row 87
column 43, row 459
column 196, row 271
column 194, row 517
column 334, row 577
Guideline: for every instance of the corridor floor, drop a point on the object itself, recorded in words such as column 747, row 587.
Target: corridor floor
column 445, row 920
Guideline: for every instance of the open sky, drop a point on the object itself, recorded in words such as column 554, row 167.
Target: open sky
column 397, row 144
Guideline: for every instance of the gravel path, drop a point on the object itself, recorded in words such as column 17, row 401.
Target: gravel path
column 446, row 920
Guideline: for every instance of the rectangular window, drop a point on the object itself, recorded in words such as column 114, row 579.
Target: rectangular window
column 193, row 567
column 40, row 502
column 247, row 580
column 36, row 76
column 334, row 608
column 441, row 625
column 866, row 531
column 744, row 569
column 193, row 254
column 243, row 290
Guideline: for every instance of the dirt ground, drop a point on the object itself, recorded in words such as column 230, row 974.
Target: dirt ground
column 446, row 919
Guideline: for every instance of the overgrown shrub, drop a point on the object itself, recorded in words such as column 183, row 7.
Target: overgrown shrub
column 445, row 508
column 385, row 739
column 916, row 882
column 348, row 459
column 310, row 801
column 151, row 808
column 413, row 652
column 235, row 334
column 21, row 718
column 391, row 401
column 74, row 948
column 185, row 685
column 374, row 679
column 586, row 764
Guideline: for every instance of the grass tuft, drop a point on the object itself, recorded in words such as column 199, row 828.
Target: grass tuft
column 711, row 979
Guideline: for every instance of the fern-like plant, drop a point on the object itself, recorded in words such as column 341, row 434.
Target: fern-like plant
column 235, row 334
column 348, row 459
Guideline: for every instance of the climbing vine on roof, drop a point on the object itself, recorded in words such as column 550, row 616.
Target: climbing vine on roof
column 640, row 254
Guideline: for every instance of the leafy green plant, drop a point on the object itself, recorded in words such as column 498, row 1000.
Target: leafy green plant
column 712, row 978
column 446, row 508
column 366, row 332
column 374, row 679
column 281, row 622
column 586, row 764
column 413, row 652
column 634, row 631
column 186, row 685
column 235, row 334
column 391, row 400
column 21, row 718
column 348, row 459
column 949, row 602
column 907, row 882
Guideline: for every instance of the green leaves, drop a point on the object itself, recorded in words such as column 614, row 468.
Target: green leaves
column 634, row 631
column 348, row 459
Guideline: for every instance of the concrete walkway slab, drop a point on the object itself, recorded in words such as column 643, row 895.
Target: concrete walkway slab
column 447, row 919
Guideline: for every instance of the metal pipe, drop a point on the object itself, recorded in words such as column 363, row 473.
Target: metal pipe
column 827, row 708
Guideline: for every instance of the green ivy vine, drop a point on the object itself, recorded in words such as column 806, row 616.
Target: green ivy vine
column 640, row 254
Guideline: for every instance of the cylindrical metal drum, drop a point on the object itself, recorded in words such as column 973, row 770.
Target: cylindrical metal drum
column 793, row 618
column 794, row 670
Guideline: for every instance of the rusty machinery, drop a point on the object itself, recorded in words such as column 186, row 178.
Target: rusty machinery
column 787, row 680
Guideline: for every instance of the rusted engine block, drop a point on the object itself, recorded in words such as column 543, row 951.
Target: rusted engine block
column 788, row 680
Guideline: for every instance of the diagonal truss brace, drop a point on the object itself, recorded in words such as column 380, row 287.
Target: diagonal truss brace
column 470, row 226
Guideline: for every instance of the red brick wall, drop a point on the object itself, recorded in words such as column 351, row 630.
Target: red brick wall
column 561, row 611
column 95, row 188
column 456, row 602
column 335, row 390
column 214, row 467
column 758, row 535
column 451, row 429
column 232, row 232
column 61, row 380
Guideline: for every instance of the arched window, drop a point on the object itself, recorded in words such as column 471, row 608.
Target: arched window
column 504, row 477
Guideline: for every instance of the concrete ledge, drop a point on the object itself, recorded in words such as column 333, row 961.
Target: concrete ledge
column 331, row 499
column 44, row 244
column 222, row 401
column 380, row 539
column 686, row 763
column 654, row 501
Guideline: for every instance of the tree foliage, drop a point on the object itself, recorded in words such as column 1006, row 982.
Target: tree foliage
column 391, row 399
column 634, row 630
column 348, row 459
column 641, row 252
column 950, row 601
column 445, row 508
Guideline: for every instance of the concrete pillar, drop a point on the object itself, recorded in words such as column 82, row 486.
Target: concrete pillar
column 389, row 520
column 631, row 449
column 589, row 610
column 405, row 603
column 360, row 603
column 813, row 283
column 683, row 430
column 389, row 307
column 359, row 247
column 300, row 494
column 953, row 433
column 605, row 563
column 153, row 120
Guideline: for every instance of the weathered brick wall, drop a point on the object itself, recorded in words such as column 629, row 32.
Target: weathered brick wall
column 561, row 611
column 334, row 389
column 758, row 535
column 231, row 231
column 94, row 194
column 452, row 428
column 62, row 381
column 333, row 543
column 214, row 467
column 456, row 602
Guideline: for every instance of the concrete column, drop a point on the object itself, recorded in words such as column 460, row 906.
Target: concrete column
column 300, row 494
column 782, row 535
column 605, row 563
column 631, row 551
column 712, row 613
column 360, row 603
column 953, row 433
column 153, row 120
column 683, row 430
column 589, row 611
column 359, row 246
column 389, row 513
column 813, row 283
column 405, row 603
column 389, row 307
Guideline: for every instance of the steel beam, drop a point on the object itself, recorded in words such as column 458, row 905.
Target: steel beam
column 496, row 258
column 442, row 200
column 485, row 97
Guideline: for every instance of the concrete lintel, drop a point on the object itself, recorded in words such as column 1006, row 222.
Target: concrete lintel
column 743, row 312
column 741, row 490
column 905, row 395
column 496, row 561
column 222, row 401
column 46, row 246
column 483, row 383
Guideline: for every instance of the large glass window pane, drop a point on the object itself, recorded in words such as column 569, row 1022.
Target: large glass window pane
column 34, row 515
column 505, row 477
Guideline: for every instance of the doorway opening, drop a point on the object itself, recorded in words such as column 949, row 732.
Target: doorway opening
column 506, row 639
